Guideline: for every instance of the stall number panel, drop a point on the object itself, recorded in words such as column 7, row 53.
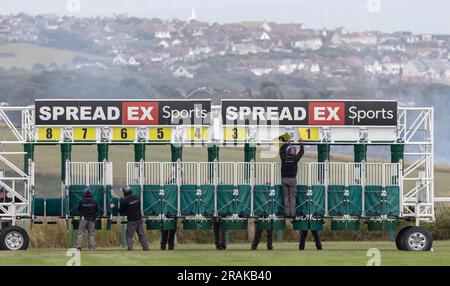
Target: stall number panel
column 160, row 134
column 124, row 134
column 84, row 134
column 233, row 134
column 197, row 134
column 309, row 133
column 49, row 134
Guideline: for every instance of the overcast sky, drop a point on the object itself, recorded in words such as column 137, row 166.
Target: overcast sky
column 419, row 16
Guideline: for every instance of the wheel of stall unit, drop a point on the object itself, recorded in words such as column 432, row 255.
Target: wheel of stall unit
column 14, row 238
column 398, row 238
column 417, row 239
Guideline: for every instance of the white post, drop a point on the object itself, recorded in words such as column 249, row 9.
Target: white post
column 363, row 187
column 215, row 183
column 141, row 183
column 252, row 185
column 325, row 181
column 178, row 180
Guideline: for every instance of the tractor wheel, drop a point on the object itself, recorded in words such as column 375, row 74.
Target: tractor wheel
column 14, row 238
column 417, row 239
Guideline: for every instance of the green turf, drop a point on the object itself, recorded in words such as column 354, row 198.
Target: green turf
column 25, row 55
column 334, row 253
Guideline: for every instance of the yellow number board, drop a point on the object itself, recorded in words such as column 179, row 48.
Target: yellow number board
column 124, row 133
column 309, row 134
column 234, row 134
column 49, row 134
column 84, row 134
column 160, row 134
column 197, row 134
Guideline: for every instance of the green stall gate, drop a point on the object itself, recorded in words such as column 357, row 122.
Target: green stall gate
column 237, row 191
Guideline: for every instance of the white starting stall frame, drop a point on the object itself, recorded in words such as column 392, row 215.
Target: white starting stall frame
column 414, row 130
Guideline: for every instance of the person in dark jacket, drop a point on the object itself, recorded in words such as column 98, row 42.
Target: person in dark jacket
column 290, row 155
column 87, row 208
column 304, row 234
column 220, row 235
column 257, row 238
column 168, row 238
column 131, row 206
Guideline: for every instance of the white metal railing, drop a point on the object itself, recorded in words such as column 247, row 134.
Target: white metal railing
column 251, row 173
column 375, row 174
column 89, row 173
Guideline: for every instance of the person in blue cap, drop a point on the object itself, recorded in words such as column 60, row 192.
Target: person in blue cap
column 88, row 208
column 131, row 206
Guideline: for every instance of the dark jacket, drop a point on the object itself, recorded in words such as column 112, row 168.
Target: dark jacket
column 88, row 208
column 131, row 206
column 289, row 163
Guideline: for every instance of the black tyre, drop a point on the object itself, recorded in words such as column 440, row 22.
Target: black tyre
column 417, row 239
column 14, row 238
column 398, row 238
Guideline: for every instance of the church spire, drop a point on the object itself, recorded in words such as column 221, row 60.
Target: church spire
column 192, row 17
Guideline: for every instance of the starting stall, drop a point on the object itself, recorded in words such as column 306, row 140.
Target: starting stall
column 345, row 194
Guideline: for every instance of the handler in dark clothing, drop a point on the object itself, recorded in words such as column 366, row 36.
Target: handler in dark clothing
column 220, row 235
column 304, row 234
column 88, row 208
column 168, row 238
column 257, row 238
column 131, row 205
column 290, row 155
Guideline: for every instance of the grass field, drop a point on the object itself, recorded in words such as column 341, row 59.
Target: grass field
column 25, row 55
column 334, row 253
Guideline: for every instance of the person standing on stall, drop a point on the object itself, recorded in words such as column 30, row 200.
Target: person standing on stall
column 290, row 155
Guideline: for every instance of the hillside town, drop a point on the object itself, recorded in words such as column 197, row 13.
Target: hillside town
column 186, row 49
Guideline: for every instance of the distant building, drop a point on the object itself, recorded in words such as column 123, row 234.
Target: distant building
column 182, row 72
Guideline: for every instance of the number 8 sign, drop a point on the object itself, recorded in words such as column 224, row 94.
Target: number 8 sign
column 49, row 134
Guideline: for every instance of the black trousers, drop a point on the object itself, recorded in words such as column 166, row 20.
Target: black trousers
column 220, row 235
column 304, row 234
column 168, row 238
column 257, row 237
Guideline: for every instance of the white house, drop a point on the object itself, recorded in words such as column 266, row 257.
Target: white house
column 266, row 27
column 307, row 44
column 197, row 33
column 244, row 48
column 133, row 62
column 163, row 44
column 119, row 60
column 289, row 67
column 163, row 35
column 391, row 65
column 372, row 66
column 176, row 42
column 264, row 36
column 314, row 68
column 182, row 72
column 261, row 71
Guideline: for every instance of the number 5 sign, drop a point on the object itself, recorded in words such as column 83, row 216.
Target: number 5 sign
column 160, row 134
